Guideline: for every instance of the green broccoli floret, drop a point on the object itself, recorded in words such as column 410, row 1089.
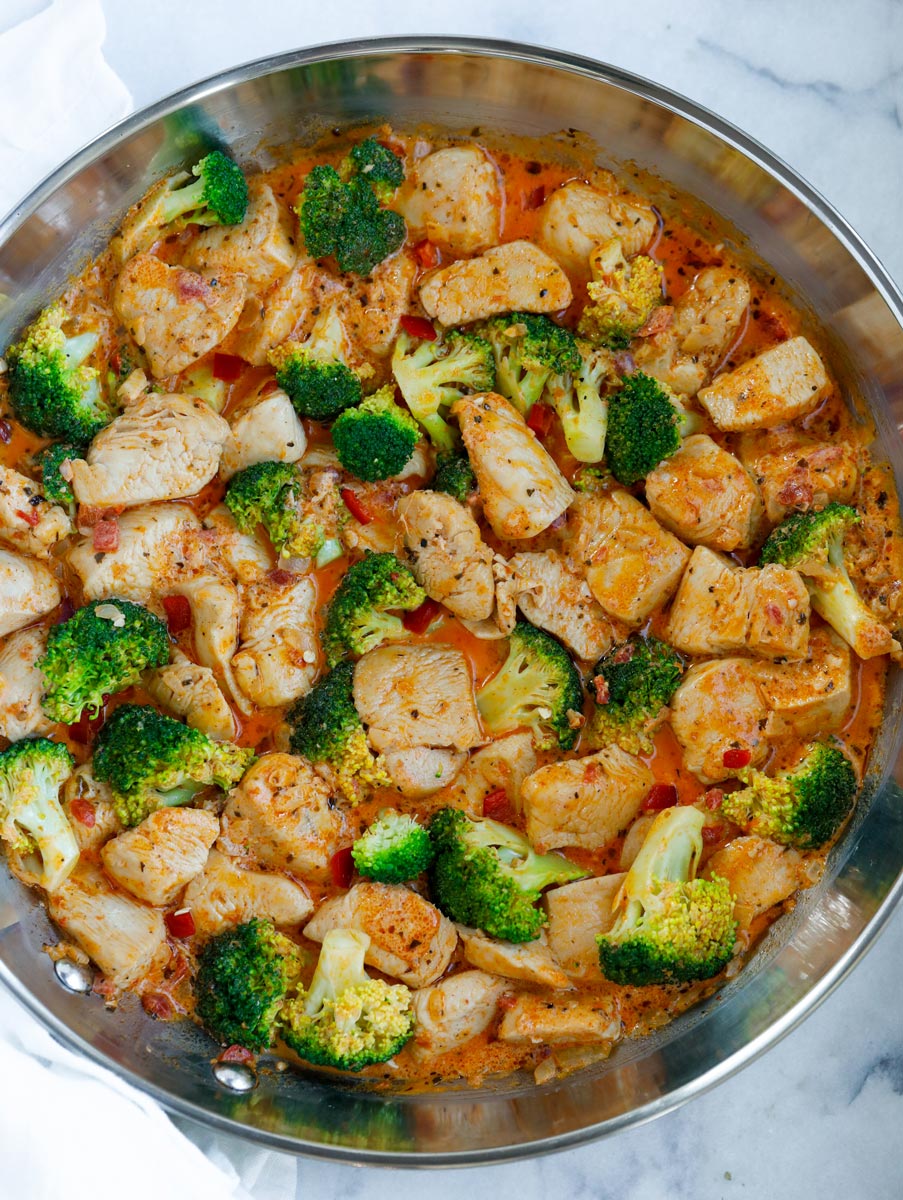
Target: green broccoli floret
column 32, row 821
column 344, row 219
column 324, row 727
column 346, row 1019
column 537, row 686
column 812, row 543
column 488, row 875
column 315, row 374
column 377, row 164
column 670, row 927
column 219, row 195
column 804, row 807
column 152, row 761
column 432, row 375
column 271, row 494
column 243, row 976
column 646, row 423
column 52, row 392
column 376, row 439
column 632, row 685
column 49, row 461
column 358, row 619
column 455, row 476
column 529, row 348
column 394, row 849
column 100, row 650
column 622, row 296
column 582, row 410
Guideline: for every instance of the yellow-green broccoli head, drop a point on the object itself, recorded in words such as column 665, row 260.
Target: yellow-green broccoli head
column 622, row 296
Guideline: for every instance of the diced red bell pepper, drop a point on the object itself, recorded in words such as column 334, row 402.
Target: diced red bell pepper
column 418, row 327
column 421, row 618
column 237, row 1054
column 178, row 613
column 180, row 923
column 83, row 811
column 227, row 367
column 6, row 431
column 354, row 506
column 540, row 420
column 712, row 834
column 659, row 797
column 105, row 537
column 29, row 516
column 341, row 867
column 497, row 806
column 736, row 757
column 426, row 254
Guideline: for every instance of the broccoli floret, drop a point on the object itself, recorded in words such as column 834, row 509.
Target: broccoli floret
column 631, row 685
column 243, row 976
column 582, row 410
column 376, row 439
column 537, row 686
column 670, row 927
column 32, row 821
column 346, row 221
column 529, row 348
column 52, row 392
column 812, row 543
column 488, row 875
column 315, row 374
column 622, row 296
column 100, row 650
column 394, row 849
column 55, row 487
column 152, row 761
column 377, row 164
column 271, row 494
column 455, row 476
column 646, row 423
column 346, row 1019
column 804, row 807
column 357, row 619
column 325, row 727
column 218, row 196
column 432, row 375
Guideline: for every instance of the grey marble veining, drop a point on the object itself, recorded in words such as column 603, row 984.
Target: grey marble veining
column 821, row 83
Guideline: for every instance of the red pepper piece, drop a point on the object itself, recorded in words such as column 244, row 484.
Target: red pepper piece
column 736, row 757
column 418, row 327
column 178, row 613
column 180, row 923
column 712, row 834
column 497, row 806
column 106, row 535
column 227, row 367
column 426, row 254
column 421, row 618
column 354, row 506
column 341, row 867
column 540, row 420
column 83, row 812
column 660, row 796
column 237, row 1054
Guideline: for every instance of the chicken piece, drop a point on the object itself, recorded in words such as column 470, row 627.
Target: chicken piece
column 190, row 691
column 225, row 894
column 584, row 801
column 577, row 217
column 174, row 314
column 450, row 559
column 780, row 384
column 578, row 912
column 28, row 522
column 706, row 496
column 809, row 697
column 454, row 197
column 707, row 317
column 22, row 686
column 215, row 618
column 157, row 858
column 513, row 277
column 797, row 471
column 28, row 590
column 409, row 937
column 286, row 311
column 522, row 489
column 276, row 661
column 721, row 608
column 417, row 696
column 631, row 564
column 505, row 763
column 419, row 771
column 262, row 247
column 552, row 597
column 163, row 447
column 760, row 874
column 151, row 542
column 537, row 1020
column 531, row 962
column 282, row 816
column 264, row 429
column 719, row 706
column 371, row 308
column 246, row 556
column 122, row 936
column 453, row 1011
column 84, row 797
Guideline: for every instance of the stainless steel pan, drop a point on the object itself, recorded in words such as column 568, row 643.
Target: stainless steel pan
column 761, row 204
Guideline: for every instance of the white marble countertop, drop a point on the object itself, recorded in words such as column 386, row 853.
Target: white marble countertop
column 821, row 83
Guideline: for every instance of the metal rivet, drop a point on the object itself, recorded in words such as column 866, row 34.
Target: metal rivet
column 235, row 1076
column 73, row 976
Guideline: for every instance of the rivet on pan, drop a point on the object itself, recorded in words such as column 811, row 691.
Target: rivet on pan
column 73, row 976
column 235, row 1076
